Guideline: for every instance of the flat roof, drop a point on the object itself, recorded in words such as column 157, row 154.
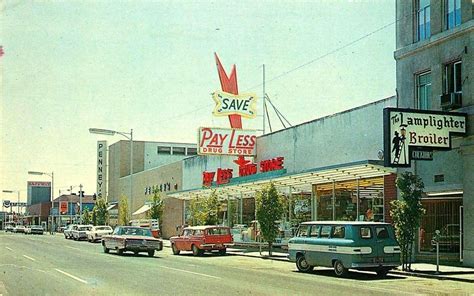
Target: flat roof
column 336, row 173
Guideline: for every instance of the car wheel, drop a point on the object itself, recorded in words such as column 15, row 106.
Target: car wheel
column 222, row 252
column 339, row 268
column 106, row 250
column 175, row 249
column 151, row 253
column 196, row 251
column 120, row 252
column 382, row 272
column 135, row 253
column 302, row 264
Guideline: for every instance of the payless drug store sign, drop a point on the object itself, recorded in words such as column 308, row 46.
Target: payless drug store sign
column 407, row 132
column 227, row 141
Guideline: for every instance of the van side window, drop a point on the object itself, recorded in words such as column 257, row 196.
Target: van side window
column 303, row 230
column 325, row 231
column 381, row 232
column 365, row 232
column 338, row 232
column 314, row 231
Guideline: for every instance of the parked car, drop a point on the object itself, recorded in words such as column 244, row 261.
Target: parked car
column 345, row 245
column 448, row 239
column 97, row 232
column 131, row 238
column 34, row 229
column 9, row 227
column 19, row 229
column 199, row 239
column 80, row 232
column 68, row 231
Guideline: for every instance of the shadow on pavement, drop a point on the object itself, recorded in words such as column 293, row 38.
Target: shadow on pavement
column 354, row 275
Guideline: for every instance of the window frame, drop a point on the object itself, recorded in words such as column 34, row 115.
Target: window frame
column 418, row 87
column 448, row 76
column 418, row 10
column 370, row 232
column 455, row 8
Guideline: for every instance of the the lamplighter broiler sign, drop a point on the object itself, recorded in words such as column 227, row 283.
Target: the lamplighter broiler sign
column 407, row 131
column 227, row 141
column 241, row 104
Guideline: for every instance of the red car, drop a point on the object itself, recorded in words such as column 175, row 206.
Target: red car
column 199, row 239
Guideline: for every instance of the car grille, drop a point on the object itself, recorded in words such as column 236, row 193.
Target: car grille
column 142, row 243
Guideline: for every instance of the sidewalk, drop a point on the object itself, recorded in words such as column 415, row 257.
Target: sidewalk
column 424, row 270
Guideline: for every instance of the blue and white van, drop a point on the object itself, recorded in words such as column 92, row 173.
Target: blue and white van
column 345, row 245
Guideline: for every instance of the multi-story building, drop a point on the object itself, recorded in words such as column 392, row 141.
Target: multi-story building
column 435, row 71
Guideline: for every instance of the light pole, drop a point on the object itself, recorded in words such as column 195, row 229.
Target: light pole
column 129, row 136
column 52, row 192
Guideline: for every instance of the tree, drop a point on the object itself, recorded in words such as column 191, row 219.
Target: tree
column 86, row 217
column 123, row 211
column 156, row 208
column 269, row 208
column 406, row 213
column 204, row 210
column 100, row 212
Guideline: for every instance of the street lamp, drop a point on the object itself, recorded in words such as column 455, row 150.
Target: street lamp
column 52, row 191
column 128, row 136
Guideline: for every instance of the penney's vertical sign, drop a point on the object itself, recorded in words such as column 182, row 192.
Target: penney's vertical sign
column 408, row 131
column 101, row 168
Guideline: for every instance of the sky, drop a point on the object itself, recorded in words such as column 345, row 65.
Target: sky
column 149, row 66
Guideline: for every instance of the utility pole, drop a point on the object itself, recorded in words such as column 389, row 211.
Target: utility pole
column 263, row 98
column 80, row 203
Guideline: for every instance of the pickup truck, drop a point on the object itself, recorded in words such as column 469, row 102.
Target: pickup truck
column 199, row 239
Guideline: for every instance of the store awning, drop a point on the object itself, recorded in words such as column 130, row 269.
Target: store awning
column 113, row 206
column 141, row 210
column 324, row 175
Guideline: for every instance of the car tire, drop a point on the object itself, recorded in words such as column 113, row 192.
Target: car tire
column 382, row 272
column 120, row 252
column 106, row 250
column 222, row 252
column 196, row 251
column 175, row 249
column 339, row 268
column 303, row 265
column 151, row 253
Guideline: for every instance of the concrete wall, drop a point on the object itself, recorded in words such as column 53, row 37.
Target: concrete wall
column 337, row 139
column 153, row 159
column 193, row 168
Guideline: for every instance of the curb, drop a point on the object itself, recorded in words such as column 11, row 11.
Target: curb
column 431, row 276
column 258, row 256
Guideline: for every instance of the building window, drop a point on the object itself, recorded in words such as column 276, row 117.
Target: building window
column 423, row 19
column 164, row 150
column 453, row 78
column 453, row 13
column 179, row 150
column 423, row 91
column 192, row 151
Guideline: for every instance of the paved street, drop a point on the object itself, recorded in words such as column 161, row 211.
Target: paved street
column 51, row 265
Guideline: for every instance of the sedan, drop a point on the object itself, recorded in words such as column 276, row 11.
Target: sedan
column 134, row 239
column 97, row 232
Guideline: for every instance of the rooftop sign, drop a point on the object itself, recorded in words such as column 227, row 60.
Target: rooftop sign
column 227, row 141
column 229, row 104
column 408, row 130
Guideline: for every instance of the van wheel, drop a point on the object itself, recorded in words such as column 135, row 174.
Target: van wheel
column 151, row 253
column 339, row 268
column 196, row 251
column 106, row 250
column 382, row 272
column 302, row 264
column 120, row 252
column 222, row 252
column 174, row 249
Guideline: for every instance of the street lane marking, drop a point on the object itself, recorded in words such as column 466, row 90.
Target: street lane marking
column 28, row 257
column 71, row 276
column 9, row 249
column 77, row 249
column 196, row 273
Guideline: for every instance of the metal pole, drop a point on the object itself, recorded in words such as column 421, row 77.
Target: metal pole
column 241, row 208
column 80, row 203
column 263, row 98
column 333, row 200
column 52, row 201
column 131, row 174
column 18, row 202
column 357, row 206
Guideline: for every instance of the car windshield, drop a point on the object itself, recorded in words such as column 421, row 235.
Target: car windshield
column 218, row 231
column 103, row 228
column 136, row 231
column 84, row 228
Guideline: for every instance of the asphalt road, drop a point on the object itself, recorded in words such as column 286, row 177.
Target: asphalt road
column 52, row 265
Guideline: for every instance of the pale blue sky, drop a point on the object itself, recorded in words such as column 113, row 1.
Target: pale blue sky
column 149, row 65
